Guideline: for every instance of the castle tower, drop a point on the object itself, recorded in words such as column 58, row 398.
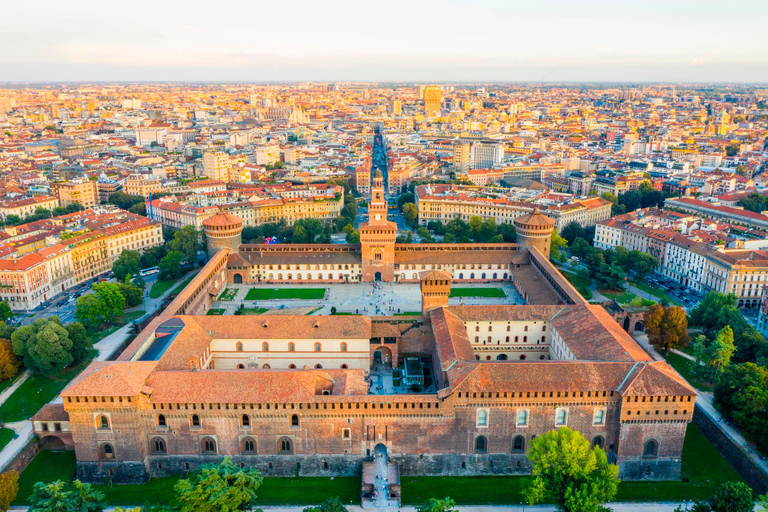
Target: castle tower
column 223, row 230
column 377, row 237
column 534, row 230
column 435, row 290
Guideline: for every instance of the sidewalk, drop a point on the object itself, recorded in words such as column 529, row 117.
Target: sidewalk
column 19, row 381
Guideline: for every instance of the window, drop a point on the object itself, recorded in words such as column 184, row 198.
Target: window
column 266, row 366
column 482, row 418
column 318, row 347
column 284, row 446
column 103, row 423
column 239, row 347
column 561, row 416
column 196, row 420
column 265, row 347
column 248, row 445
column 294, row 420
column 158, row 445
column 161, row 421
column 245, row 421
column 318, row 366
column 598, row 441
column 291, row 347
column 651, row 448
column 291, row 366
column 344, row 366
column 599, row 418
column 518, row 444
column 208, row 446
column 345, row 434
column 107, row 452
column 522, row 418
column 481, row 444
column 343, row 347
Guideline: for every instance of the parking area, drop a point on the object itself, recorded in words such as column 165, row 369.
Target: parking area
column 685, row 295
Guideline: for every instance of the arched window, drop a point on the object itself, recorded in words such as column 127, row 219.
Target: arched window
column 561, row 416
column 481, row 444
column 318, row 366
column 309, row 277
column 507, row 340
column 318, row 347
column 292, row 366
column 477, row 339
column 525, row 339
column 489, row 339
column 482, row 418
column 294, row 420
column 161, row 421
column 518, row 444
column 208, row 445
column 543, row 339
column 284, row 446
column 195, row 420
column 248, row 445
column 290, row 276
column 279, row 277
column 107, row 451
column 517, row 338
column 265, row 347
column 598, row 441
column 298, row 276
column 522, row 357
column 651, row 448
column 245, row 421
column 330, row 277
column 158, row 445
column 266, row 366
column 344, row 367
column 291, row 347
column 103, row 423
column 343, row 347
column 522, row 418
column 599, row 418
column 320, row 276
column 239, row 347
column 345, row 434
column 241, row 366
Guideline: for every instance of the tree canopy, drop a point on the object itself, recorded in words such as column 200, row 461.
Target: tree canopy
column 60, row 497
column 666, row 327
column 44, row 346
column 222, row 487
column 127, row 264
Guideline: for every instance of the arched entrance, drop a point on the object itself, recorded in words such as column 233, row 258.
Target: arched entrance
column 52, row 443
column 382, row 355
column 237, row 279
column 380, row 450
column 377, row 277
column 501, row 357
column 626, row 323
column 639, row 326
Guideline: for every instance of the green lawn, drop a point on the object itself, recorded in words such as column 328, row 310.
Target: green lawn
column 7, row 383
column 409, row 313
column 132, row 315
column 685, row 368
column 478, row 292
column 47, row 467
column 228, row 294
column 214, row 312
column 703, row 467
column 37, row 391
column 657, row 292
column 159, row 288
column 580, row 282
column 622, row 297
column 285, row 293
column 6, row 434
column 183, row 284
column 251, row 311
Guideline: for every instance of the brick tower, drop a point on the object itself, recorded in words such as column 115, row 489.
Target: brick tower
column 223, row 230
column 377, row 237
column 534, row 229
column 435, row 290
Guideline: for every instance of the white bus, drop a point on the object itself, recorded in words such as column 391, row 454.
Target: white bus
column 149, row 271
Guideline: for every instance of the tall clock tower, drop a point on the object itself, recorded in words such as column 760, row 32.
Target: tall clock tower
column 377, row 237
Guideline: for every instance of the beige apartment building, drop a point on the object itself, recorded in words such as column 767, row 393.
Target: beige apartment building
column 141, row 185
column 81, row 191
column 738, row 271
column 25, row 207
column 216, row 165
column 462, row 155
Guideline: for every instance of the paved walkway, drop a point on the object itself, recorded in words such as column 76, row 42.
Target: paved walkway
column 19, row 381
column 23, row 431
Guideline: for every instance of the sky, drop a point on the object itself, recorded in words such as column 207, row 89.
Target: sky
column 389, row 40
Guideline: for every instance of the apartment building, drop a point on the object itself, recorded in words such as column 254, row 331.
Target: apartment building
column 141, row 185
column 216, row 165
column 486, row 154
column 718, row 212
column 81, row 191
column 462, row 155
column 741, row 272
column 25, row 207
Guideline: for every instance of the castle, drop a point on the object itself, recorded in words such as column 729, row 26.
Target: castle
column 310, row 395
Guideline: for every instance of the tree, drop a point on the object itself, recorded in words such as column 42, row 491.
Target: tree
column 9, row 487
column 753, row 202
column 152, row 256
column 134, row 295
column 732, row 497
column 219, row 487
column 508, row 233
column 9, row 362
column 410, row 212
column 170, row 266
column 44, row 346
column 89, row 311
column 666, row 327
column 610, row 277
column 124, row 201
column 139, row 209
column 127, row 264
column 81, row 343
column 113, row 302
column 426, row 236
column 569, row 473
column 5, row 311
column 580, row 248
column 741, row 392
column 187, row 241
column 435, row 505
column 406, row 197
column 593, row 259
column 716, row 311
column 716, row 354
column 353, row 237
column 762, row 503
column 330, row 505
column 58, row 497
column 557, row 247
column 572, row 231
column 641, row 264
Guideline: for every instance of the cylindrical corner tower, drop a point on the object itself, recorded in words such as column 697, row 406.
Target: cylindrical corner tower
column 534, row 230
column 223, row 230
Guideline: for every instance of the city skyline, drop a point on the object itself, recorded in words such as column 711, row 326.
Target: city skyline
column 429, row 41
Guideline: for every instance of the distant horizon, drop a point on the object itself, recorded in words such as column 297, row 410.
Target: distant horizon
column 404, row 83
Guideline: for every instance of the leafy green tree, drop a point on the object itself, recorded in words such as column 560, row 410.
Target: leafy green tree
column 641, row 264
column 81, row 343
column 732, row 497
column 134, row 295
column 59, row 497
column 127, row 264
column 580, row 248
column 426, row 236
column 508, row 233
column 594, row 259
column 44, row 346
column 170, row 266
column 151, row 257
column 89, row 311
column 762, row 503
column 329, row 505
column 187, row 241
column 753, row 202
column 219, row 487
column 557, row 247
column 666, row 327
column 716, row 354
column 716, row 311
column 572, row 231
column 5, row 311
column 124, row 201
column 113, row 302
column 610, row 277
column 410, row 212
column 741, row 392
column 435, row 505
column 139, row 209
column 406, row 197
column 569, row 473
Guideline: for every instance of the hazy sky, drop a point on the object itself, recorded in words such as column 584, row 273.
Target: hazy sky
column 424, row 40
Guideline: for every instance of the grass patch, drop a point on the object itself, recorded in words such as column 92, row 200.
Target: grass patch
column 228, row 294
column 656, row 292
column 478, row 292
column 685, row 368
column 132, row 315
column 37, row 391
column 285, row 293
column 344, row 313
column 621, row 296
column 315, row 310
column 308, row 490
column 7, row 383
column 215, row 312
column 156, row 490
column 177, row 290
column 6, row 435
column 580, row 282
column 46, row 467
column 408, row 313
column 703, row 468
column 251, row 311
column 159, row 288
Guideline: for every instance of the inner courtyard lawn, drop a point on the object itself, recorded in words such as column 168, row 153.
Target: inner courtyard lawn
column 478, row 292
column 285, row 293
